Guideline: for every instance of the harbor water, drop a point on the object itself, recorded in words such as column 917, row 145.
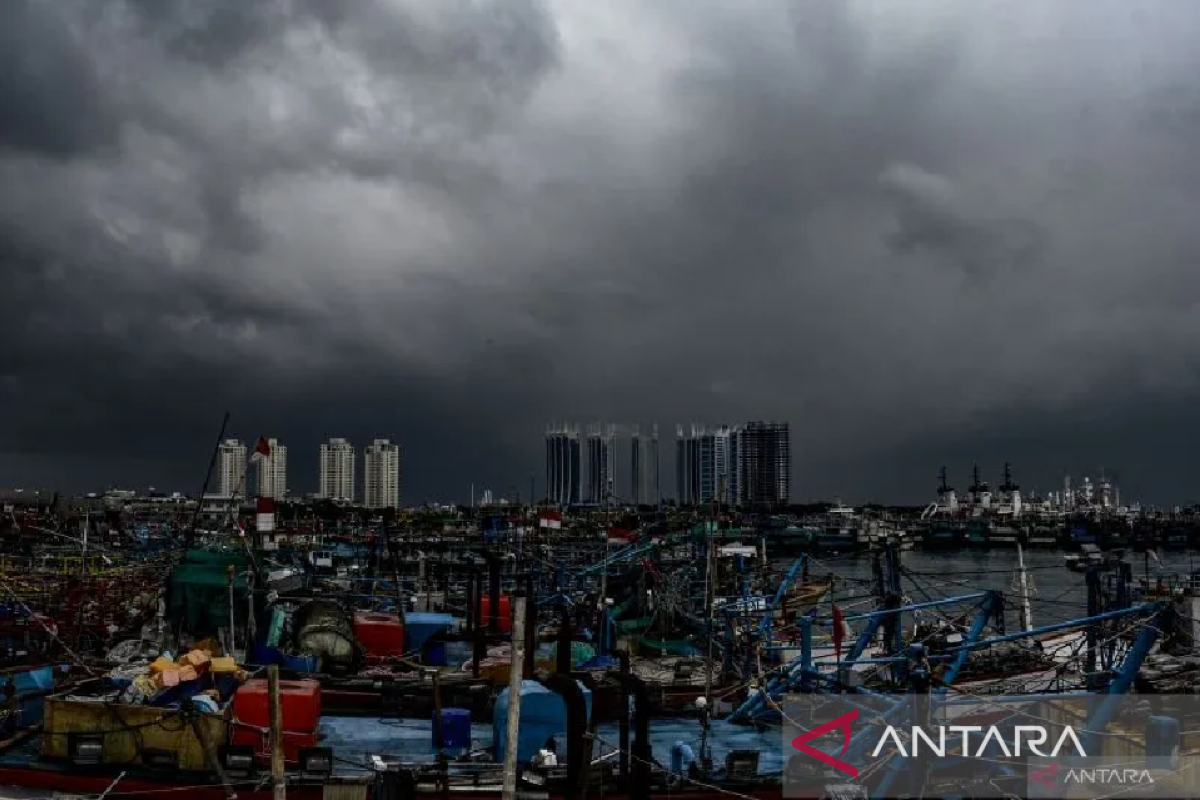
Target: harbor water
column 1057, row 594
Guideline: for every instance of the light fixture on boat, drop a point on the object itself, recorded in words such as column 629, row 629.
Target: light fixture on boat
column 742, row 764
column 316, row 761
column 84, row 748
column 164, row 759
column 237, row 759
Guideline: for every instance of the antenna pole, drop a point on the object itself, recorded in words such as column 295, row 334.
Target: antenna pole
column 212, row 463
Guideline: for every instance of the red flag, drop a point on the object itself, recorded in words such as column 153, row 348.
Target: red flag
column 262, row 449
column 839, row 630
column 620, row 536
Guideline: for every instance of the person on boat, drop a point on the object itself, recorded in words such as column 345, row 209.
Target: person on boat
column 920, row 671
column 705, row 713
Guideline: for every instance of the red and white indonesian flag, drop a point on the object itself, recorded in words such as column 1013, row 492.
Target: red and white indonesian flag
column 550, row 519
column 262, row 449
column 620, row 536
column 264, row 508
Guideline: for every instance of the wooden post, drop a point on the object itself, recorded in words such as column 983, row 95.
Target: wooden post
column 210, row 755
column 439, row 733
column 232, row 652
column 515, row 673
column 278, row 778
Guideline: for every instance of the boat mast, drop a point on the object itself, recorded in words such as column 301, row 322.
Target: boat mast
column 709, row 588
column 1023, row 579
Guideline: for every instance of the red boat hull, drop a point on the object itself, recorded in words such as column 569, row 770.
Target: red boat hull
column 55, row 780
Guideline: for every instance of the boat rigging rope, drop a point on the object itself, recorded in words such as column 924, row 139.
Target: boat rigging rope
column 53, row 634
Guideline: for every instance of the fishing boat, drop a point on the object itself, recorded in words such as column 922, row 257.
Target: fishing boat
column 1090, row 555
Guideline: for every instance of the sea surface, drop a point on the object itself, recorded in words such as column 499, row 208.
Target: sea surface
column 1057, row 594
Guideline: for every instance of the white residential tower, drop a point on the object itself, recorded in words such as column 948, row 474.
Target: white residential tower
column 381, row 475
column 337, row 471
column 231, row 468
column 272, row 472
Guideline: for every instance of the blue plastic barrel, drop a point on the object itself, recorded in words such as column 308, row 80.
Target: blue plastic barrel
column 1163, row 737
column 456, row 729
column 682, row 757
column 303, row 664
column 435, row 654
column 262, row 655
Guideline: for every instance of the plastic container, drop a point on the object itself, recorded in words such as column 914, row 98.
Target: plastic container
column 300, row 701
column 485, row 613
column 304, row 664
column 422, row 625
column 456, row 729
column 434, row 654
column 33, row 680
column 1163, row 738
column 543, row 715
column 262, row 655
column 293, row 743
column 380, row 635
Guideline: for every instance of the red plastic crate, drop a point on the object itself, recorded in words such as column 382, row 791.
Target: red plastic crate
column 300, row 701
column 293, row 743
column 380, row 635
column 485, row 613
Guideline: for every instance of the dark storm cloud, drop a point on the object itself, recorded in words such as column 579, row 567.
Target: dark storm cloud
column 911, row 228
column 51, row 100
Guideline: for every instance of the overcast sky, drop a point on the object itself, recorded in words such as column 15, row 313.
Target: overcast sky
column 924, row 232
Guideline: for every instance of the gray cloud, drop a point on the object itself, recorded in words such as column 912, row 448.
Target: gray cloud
column 51, row 98
column 916, row 231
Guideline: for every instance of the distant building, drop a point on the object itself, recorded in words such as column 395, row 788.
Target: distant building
column 694, row 473
column 681, row 468
column 564, row 465
column 764, row 463
column 231, row 468
column 381, row 475
column 600, row 465
column 644, row 467
column 337, row 471
column 653, row 469
column 272, row 472
column 19, row 498
column 725, row 459
column 637, row 467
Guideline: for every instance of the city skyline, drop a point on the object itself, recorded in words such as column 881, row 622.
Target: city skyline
column 929, row 234
column 336, row 472
column 232, row 464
